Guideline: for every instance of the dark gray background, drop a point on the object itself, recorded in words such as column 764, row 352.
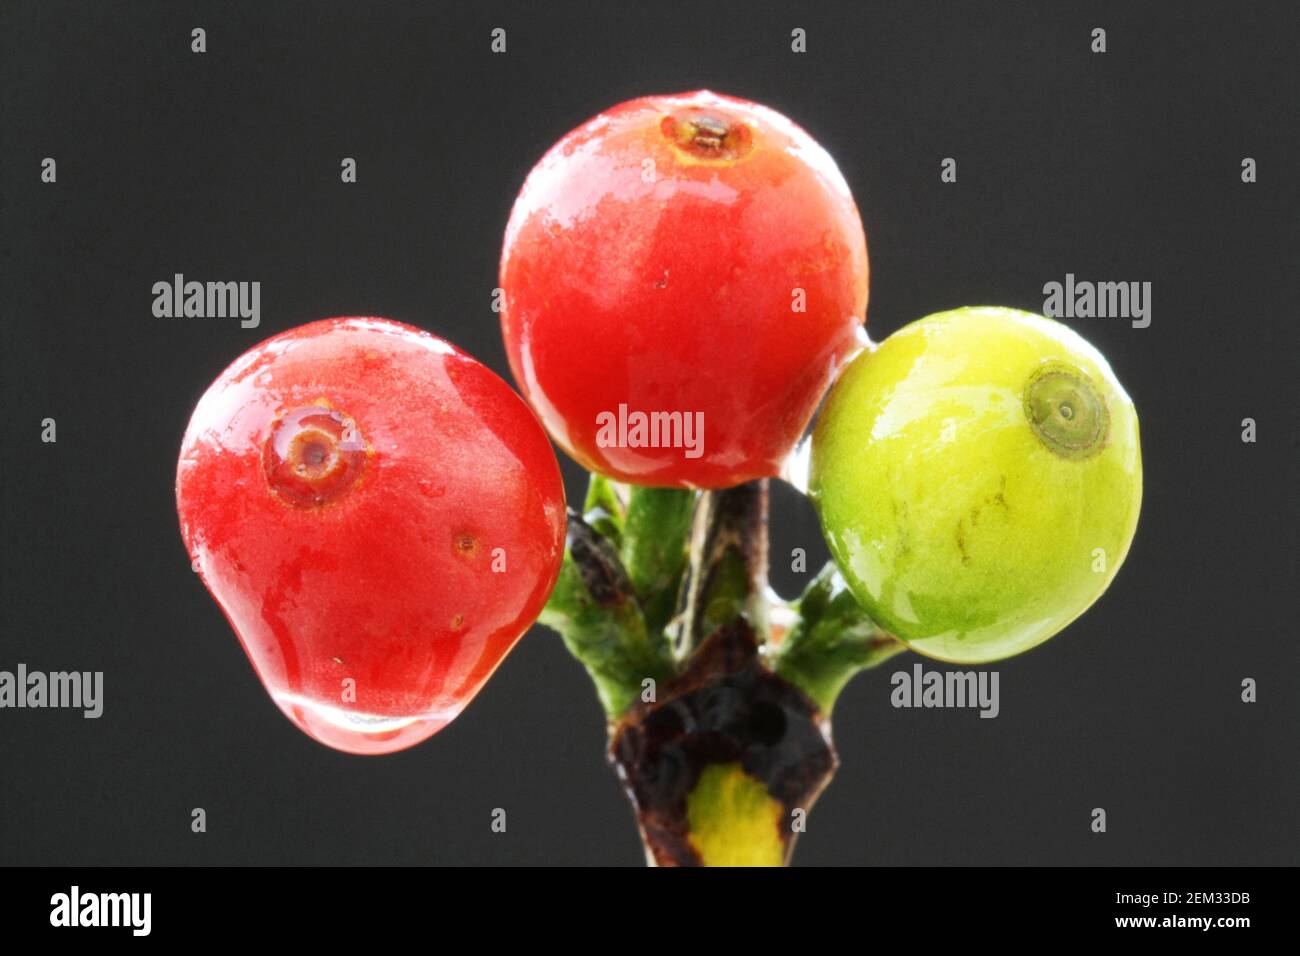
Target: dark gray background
column 1122, row 166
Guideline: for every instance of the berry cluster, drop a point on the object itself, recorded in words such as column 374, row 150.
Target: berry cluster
column 684, row 277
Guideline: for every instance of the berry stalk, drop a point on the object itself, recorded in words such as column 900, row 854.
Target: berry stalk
column 719, row 720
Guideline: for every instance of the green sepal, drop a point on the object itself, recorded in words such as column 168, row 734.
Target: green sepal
column 605, row 509
column 830, row 640
column 595, row 609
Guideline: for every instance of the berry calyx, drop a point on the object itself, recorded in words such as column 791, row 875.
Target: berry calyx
column 707, row 134
column 313, row 456
column 1067, row 411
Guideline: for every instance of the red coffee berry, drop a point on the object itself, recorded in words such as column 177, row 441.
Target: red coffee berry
column 696, row 255
column 380, row 517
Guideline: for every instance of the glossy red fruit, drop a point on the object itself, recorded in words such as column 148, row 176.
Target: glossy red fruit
column 380, row 517
column 693, row 254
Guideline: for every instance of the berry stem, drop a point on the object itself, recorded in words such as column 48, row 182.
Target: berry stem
column 595, row 610
column 831, row 640
column 719, row 731
column 727, row 574
column 653, row 548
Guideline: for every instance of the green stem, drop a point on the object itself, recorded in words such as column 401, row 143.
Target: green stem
column 671, row 586
column 653, row 548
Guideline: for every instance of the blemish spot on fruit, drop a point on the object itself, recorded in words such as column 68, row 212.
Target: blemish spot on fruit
column 429, row 489
column 466, row 543
column 961, row 541
column 314, row 456
column 1066, row 411
column 1000, row 498
column 457, row 622
column 337, row 660
column 707, row 134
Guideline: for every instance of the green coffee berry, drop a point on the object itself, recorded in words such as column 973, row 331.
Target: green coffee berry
column 978, row 478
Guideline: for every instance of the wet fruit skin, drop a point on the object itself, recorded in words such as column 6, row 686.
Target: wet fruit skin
column 968, row 471
column 367, row 503
column 655, row 258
